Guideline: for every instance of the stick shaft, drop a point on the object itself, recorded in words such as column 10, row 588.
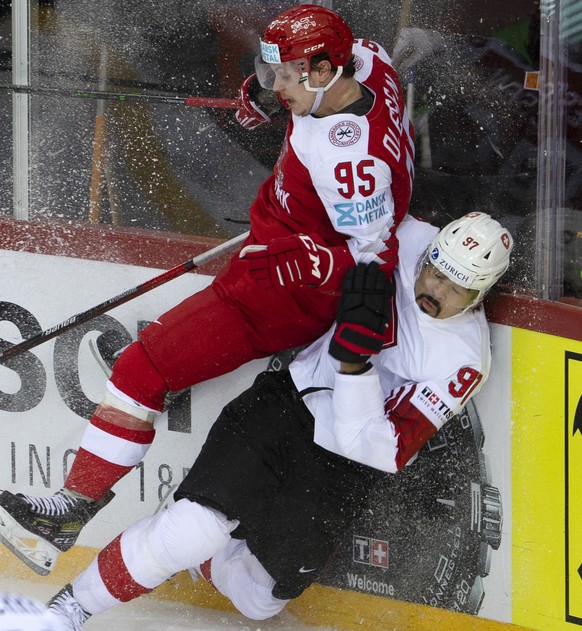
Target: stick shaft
column 188, row 101
column 123, row 297
column 403, row 19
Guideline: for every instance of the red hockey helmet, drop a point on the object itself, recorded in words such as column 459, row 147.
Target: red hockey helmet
column 304, row 31
column 292, row 39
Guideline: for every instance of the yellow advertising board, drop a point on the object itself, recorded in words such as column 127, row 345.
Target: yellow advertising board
column 573, row 494
column 546, row 481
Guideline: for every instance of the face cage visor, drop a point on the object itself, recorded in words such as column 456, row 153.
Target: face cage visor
column 288, row 73
column 270, row 70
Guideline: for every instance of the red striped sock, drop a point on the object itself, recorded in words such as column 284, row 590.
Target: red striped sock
column 95, row 468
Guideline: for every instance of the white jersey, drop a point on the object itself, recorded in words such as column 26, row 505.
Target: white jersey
column 425, row 374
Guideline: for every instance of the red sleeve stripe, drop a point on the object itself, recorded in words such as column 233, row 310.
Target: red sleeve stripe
column 412, row 428
column 472, row 388
column 394, row 399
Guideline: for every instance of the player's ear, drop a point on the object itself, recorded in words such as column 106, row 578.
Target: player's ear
column 323, row 73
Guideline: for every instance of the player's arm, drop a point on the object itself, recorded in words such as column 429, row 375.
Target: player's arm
column 387, row 434
column 381, row 432
column 364, row 312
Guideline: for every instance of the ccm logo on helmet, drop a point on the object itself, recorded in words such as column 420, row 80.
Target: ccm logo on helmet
column 312, row 49
column 449, row 268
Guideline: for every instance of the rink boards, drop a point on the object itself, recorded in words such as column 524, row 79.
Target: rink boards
column 485, row 524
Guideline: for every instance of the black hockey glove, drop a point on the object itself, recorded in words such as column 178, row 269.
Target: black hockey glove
column 364, row 312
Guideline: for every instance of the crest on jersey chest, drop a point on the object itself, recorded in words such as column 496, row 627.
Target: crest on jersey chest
column 345, row 134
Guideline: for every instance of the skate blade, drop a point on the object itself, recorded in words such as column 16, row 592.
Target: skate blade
column 35, row 552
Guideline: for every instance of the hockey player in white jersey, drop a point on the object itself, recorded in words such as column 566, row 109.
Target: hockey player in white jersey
column 288, row 464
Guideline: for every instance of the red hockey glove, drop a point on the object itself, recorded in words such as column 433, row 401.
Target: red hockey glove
column 297, row 260
column 364, row 311
column 255, row 105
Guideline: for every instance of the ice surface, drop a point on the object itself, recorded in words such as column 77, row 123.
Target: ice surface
column 149, row 614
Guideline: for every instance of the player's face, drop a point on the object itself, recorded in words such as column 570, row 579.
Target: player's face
column 438, row 296
column 289, row 85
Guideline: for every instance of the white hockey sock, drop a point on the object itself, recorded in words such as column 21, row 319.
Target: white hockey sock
column 150, row 552
column 117, row 438
column 90, row 592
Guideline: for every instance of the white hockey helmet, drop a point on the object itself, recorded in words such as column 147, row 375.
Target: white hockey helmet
column 19, row 613
column 473, row 251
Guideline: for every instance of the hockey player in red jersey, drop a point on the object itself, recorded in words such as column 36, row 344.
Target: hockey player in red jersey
column 289, row 463
column 338, row 191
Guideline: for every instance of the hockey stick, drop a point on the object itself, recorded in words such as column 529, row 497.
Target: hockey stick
column 98, row 162
column 123, row 297
column 403, row 19
column 188, row 101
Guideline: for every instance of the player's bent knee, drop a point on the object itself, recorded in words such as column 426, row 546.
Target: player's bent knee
column 135, row 376
column 182, row 536
column 239, row 575
column 191, row 533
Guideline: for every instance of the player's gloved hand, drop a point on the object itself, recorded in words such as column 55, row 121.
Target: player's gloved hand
column 364, row 312
column 297, row 260
column 255, row 105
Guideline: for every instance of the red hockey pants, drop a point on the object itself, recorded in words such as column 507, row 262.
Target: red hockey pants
column 218, row 329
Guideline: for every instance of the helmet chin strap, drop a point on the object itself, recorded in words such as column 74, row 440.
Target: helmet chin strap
column 318, row 98
column 319, row 92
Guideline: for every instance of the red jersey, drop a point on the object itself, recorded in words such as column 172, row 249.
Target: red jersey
column 345, row 177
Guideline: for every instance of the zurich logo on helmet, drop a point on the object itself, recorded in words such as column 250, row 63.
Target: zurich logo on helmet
column 434, row 254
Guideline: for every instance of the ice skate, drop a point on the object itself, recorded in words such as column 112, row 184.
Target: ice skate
column 37, row 529
column 67, row 610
